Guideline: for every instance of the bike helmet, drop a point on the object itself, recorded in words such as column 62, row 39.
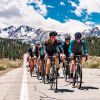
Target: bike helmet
column 32, row 45
column 38, row 42
column 53, row 33
column 67, row 37
column 78, row 35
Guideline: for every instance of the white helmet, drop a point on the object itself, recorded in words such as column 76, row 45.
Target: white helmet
column 38, row 42
column 32, row 44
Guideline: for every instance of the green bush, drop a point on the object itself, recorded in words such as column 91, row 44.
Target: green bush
column 2, row 68
column 94, row 65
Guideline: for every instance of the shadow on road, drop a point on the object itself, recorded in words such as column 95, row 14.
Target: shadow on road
column 64, row 90
column 88, row 87
column 49, row 98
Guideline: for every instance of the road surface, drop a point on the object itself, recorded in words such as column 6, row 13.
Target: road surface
column 19, row 85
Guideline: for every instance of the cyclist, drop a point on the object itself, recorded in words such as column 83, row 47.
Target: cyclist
column 77, row 47
column 37, row 52
column 31, row 50
column 51, row 49
column 65, row 48
column 31, row 59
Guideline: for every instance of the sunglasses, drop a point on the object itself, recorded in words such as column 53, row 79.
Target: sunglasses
column 53, row 36
column 38, row 44
column 67, row 41
column 78, row 39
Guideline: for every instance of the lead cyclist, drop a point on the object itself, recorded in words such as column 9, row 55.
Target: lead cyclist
column 77, row 47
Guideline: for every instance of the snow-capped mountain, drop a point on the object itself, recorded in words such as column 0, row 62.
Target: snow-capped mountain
column 24, row 32
column 19, row 32
column 28, row 33
column 91, row 32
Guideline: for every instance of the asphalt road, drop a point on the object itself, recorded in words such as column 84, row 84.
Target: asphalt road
column 19, row 85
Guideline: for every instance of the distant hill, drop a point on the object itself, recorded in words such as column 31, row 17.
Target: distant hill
column 27, row 33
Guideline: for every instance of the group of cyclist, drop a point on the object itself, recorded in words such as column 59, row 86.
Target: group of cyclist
column 55, row 47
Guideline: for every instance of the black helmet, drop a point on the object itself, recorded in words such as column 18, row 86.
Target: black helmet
column 67, row 37
column 53, row 33
column 78, row 35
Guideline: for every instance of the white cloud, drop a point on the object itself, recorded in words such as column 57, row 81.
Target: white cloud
column 29, row 16
column 72, row 3
column 42, row 7
column 73, row 26
column 91, row 6
column 49, row 6
column 62, row 3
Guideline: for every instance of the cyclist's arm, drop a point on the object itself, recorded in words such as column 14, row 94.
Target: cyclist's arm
column 71, row 47
column 62, row 47
column 85, row 48
column 45, row 43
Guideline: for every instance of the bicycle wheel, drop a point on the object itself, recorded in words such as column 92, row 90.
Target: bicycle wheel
column 37, row 73
column 78, row 77
column 56, row 79
column 43, row 72
column 74, row 79
column 52, row 77
column 66, row 72
column 79, row 84
column 31, row 70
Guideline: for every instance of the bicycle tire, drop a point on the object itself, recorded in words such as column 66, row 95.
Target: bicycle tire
column 78, row 77
column 53, row 80
column 80, row 84
column 56, row 77
column 43, row 72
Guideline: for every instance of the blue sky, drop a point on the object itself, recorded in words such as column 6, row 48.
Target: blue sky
column 59, row 15
column 62, row 10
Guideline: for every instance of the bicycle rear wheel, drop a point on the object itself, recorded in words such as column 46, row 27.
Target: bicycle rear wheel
column 37, row 73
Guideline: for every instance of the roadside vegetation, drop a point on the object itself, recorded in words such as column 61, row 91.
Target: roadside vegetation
column 12, row 50
column 93, row 62
column 11, row 53
column 6, row 64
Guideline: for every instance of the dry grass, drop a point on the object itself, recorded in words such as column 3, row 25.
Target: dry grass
column 7, row 64
column 93, row 62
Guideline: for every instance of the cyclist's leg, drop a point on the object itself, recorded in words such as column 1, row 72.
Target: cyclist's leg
column 72, row 69
column 35, row 65
column 57, row 64
column 48, row 62
column 31, row 65
column 35, row 61
column 39, row 68
column 63, row 59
